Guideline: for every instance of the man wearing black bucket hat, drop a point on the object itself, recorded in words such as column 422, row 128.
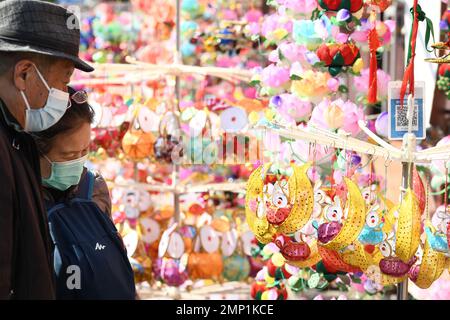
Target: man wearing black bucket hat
column 39, row 45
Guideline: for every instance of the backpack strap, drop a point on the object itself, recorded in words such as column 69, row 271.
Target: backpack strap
column 86, row 186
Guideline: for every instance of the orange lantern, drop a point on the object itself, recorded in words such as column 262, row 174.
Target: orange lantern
column 138, row 145
column 221, row 225
column 202, row 265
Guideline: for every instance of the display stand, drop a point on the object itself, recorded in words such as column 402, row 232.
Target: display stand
column 407, row 155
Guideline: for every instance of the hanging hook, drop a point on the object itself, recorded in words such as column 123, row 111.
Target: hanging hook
column 388, row 161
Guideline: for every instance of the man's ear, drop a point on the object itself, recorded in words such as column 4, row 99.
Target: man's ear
column 21, row 72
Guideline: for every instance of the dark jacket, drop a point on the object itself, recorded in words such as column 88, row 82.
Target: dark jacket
column 25, row 251
column 100, row 194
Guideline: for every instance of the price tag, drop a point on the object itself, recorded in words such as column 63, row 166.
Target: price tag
column 398, row 120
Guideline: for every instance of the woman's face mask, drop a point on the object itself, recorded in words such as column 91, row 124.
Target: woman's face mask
column 64, row 174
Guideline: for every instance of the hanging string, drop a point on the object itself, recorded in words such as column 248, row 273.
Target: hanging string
column 418, row 15
column 446, row 190
column 427, row 198
column 409, row 71
column 385, row 186
column 370, row 177
column 421, row 16
column 408, row 185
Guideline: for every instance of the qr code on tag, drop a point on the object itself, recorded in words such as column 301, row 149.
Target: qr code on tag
column 401, row 119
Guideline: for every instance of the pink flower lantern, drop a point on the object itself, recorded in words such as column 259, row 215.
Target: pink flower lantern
column 299, row 6
column 336, row 115
column 292, row 108
column 440, row 164
column 362, row 83
column 273, row 76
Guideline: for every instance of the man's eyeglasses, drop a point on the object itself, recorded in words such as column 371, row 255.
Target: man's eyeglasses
column 78, row 97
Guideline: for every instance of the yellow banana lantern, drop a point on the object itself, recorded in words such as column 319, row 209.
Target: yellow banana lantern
column 408, row 227
column 357, row 256
column 283, row 207
column 259, row 226
column 302, row 191
column 374, row 273
column 430, row 269
column 354, row 221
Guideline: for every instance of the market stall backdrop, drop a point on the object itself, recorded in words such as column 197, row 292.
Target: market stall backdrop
column 299, row 77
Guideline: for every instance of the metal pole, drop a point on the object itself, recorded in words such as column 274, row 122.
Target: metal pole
column 175, row 293
column 176, row 167
column 409, row 145
column 402, row 288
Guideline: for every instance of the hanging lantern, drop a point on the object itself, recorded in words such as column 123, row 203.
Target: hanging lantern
column 138, row 145
column 336, row 5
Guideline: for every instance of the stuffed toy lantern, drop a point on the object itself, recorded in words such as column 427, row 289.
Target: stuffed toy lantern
column 173, row 262
column 206, row 261
column 236, row 264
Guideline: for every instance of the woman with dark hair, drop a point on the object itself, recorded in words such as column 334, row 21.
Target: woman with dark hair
column 89, row 257
column 64, row 148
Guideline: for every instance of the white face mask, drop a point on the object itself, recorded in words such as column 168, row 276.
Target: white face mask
column 37, row 120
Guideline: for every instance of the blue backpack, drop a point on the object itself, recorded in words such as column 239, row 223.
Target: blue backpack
column 90, row 259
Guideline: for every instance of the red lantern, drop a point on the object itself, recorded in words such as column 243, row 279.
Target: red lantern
column 382, row 4
column 257, row 287
column 336, row 5
column 444, row 70
column 333, row 261
column 336, row 56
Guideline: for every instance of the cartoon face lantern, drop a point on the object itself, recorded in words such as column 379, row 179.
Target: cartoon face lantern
column 280, row 205
column 372, row 232
column 370, row 194
column 395, row 267
column 150, row 229
column 131, row 203
column 277, row 201
column 171, row 244
column 437, row 230
column 333, row 215
column 207, row 264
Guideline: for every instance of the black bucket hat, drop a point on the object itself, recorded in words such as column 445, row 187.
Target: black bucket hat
column 40, row 27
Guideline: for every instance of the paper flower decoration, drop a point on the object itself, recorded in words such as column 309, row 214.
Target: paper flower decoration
column 312, row 33
column 362, row 83
column 313, row 85
column 384, row 30
column 336, row 56
column 292, row 51
column 275, row 77
column 253, row 15
column 299, row 6
column 292, row 108
column 337, row 114
column 276, row 27
column 191, row 6
column 381, row 124
column 440, row 164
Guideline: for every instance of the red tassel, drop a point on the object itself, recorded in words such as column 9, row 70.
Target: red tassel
column 409, row 72
column 374, row 44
